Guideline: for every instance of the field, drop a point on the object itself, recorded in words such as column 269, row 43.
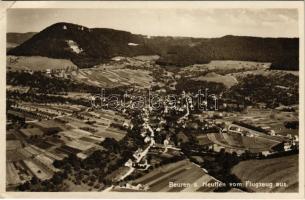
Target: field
column 13, row 144
column 112, row 77
column 227, row 80
column 12, row 177
column 39, row 170
column 236, row 141
column 37, row 63
column 36, row 159
column 269, row 73
column 111, row 133
column 228, row 64
column 74, row 133
column 283, row 169
column 121, row 71
column 223, row 67
column 225, row 71
column 180, row 172
column 270, row 119
column 80, row 145
column 231, row 72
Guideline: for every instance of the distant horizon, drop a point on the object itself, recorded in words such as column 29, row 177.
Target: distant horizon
column 157, row 35
column 195, row 23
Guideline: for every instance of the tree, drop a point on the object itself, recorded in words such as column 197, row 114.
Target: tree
column 111, row 144
column 34, row 180
column 291, row 124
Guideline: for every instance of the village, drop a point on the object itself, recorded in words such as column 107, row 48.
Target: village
column 52, row 132
column 87, row 130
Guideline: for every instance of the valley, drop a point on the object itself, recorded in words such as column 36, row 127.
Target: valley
column 126, row 117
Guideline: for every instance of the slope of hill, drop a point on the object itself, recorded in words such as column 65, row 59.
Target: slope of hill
column 61, row 40
column 281, row 52
column 19, row 38
column 15, row 39
column 10, row 46
column 87, row 47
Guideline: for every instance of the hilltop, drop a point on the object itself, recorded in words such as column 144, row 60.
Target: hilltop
column 83, row 46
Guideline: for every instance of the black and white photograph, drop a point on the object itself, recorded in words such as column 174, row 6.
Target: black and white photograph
column 168, row 99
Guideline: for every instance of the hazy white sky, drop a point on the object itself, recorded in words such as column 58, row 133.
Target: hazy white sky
column 165, row 22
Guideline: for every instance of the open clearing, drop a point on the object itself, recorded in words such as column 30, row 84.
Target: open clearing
column 283, row 169
column 227, row 80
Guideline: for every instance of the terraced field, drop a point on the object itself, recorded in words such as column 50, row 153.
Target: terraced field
column 283, row 169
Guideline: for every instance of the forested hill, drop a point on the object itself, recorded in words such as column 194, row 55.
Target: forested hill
column 87, row 47
column 283, row 53
column 83, row 46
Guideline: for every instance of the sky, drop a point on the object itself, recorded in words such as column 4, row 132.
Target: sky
column 164, row 22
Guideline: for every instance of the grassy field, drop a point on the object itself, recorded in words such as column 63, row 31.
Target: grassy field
column 37, row 63
column 283, row 169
